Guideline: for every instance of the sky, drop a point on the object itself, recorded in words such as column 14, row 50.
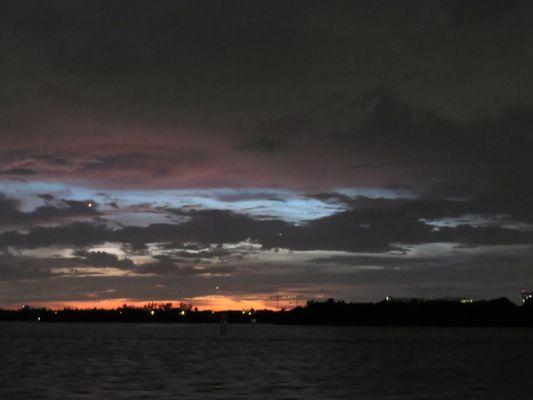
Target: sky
column 243, row 154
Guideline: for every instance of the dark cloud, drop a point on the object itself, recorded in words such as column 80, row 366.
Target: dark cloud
column 486, row 158
column 18, row 171
column 101, row 258
column 12, row 267
column 46, row 196
column 377, row 165
column 469, row 14
column 62, row 209
column 77, row 234
column 51, row 159
column 135, row 248
column 479, row 275
column 165, row 265
column 263, row 145
column 196, row 252
column 379, row 225
column 244, row 194
column 153, row 164
column 8, row 208
column 333, row 197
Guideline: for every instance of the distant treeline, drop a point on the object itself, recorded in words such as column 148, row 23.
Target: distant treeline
column 416, row 312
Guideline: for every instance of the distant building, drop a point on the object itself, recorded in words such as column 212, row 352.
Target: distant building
column 527, row 297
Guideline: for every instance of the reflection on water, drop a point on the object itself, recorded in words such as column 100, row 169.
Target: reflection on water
column 136, row 361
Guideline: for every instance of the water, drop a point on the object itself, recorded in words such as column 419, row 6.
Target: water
column 149, row 361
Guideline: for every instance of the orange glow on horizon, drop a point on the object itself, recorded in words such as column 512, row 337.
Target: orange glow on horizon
column 214, row 303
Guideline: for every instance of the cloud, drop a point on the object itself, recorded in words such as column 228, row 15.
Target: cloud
column 47, row 196
column 195, row 252
column 374, row 225
column 60, row 210
column 157, row 164
column 166, row 265
column 334, row 197
column 467, row 14
column 18, row 171
column 263, row 145
column 12, row 267
column 101, row 258
column 358, row 140
column 358, row 115
column 464, row 272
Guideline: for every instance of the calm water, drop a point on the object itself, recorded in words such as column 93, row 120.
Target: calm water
column 145, row 361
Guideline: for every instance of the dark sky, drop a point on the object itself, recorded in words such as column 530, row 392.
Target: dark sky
column 227, row 152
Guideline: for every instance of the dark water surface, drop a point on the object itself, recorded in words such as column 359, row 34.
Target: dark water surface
column 149, row 361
